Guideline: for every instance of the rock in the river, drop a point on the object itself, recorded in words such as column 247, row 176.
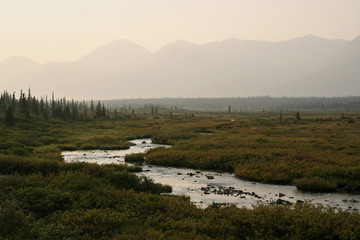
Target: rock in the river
column 300, row 202
column 281, row 195
column 350, row 187
column 209, row 176
column 281, row 202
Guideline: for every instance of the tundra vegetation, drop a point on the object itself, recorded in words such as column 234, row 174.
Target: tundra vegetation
column 42, row 197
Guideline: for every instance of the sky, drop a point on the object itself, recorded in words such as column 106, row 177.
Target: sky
column 54, row 30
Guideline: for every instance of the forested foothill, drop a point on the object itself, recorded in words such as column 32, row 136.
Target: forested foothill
column 42, row 197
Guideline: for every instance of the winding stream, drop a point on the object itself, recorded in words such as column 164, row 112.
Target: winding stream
column 206, row 187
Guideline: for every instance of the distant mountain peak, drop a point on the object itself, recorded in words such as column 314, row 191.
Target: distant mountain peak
column 119, row 45
column 116, row 50
column 308, row 38
column 21, row 59
column 176, row 45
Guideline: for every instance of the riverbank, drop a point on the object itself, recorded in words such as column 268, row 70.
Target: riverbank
column 207, row 187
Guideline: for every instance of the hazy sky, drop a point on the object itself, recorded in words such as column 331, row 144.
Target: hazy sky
column 65, row 30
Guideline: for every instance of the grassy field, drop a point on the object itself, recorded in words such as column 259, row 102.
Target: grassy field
column 41, row 197
column 319, row 152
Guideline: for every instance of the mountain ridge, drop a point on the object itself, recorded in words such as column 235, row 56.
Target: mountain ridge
column 231, row 67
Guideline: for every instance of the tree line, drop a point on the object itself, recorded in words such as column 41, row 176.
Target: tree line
column 240, row 104
column 27, row 106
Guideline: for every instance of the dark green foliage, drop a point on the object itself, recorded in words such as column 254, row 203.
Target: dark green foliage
column 351, row 120
column 42, row 201
column 18, row 165
column 56, row 108
column 315, row 184
column 135, row 158
column 104, row 143
column 9, row 117
column 129, row 181
column 14, row 223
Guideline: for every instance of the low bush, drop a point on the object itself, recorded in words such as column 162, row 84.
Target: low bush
column 135, row 158
column 315, row 184
column 25, row 166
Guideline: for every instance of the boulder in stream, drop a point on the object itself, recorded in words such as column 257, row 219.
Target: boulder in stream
column 282, row 202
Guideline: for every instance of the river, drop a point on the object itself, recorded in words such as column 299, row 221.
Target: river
column 207, row 187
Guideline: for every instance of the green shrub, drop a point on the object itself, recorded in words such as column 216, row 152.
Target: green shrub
column 68, row 147
column 135, row 158
column 13, row 221
column 14, row 164
column 315, row 184
column 42, row 201
column 125, row 180
column 22, row 151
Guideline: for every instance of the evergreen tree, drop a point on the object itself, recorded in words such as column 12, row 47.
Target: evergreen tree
column 45, row 114
column 13, row 102
column 92, row 107
column 98, row 112
column 9, row 118
column 24, row 105
column 103, row 111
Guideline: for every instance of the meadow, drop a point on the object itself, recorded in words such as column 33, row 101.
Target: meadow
column 41, row 197
column 318, row 152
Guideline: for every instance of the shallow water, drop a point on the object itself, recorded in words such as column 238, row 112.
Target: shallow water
column 109, row 156
column 206, row 187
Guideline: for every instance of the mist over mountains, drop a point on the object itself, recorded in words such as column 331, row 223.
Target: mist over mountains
column 306, row 66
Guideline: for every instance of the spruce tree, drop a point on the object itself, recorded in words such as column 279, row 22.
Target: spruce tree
column 9, row 118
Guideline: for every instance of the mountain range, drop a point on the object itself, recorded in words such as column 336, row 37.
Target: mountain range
column 305, row 66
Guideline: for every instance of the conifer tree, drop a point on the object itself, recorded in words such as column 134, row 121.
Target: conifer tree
column 98, row 111
column 9, row 118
